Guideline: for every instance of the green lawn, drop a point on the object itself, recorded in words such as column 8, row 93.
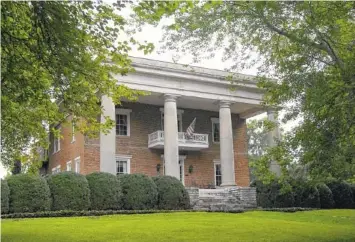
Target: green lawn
column 325, row 225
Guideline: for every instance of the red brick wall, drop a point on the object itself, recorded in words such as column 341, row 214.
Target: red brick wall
column 145, row 119
column 68, row 150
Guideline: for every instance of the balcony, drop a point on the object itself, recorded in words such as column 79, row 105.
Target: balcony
column 196, row 142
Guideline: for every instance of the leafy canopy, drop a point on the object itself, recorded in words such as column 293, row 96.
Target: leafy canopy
column 309, row 47
column 62, row 53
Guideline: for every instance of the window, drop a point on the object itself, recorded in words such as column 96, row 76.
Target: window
column 72, row 131
column 69, row 165
column 215, row 130
column 217, row 173
column 123, row 164
column 179, row 119
column 56, row 169
column 56, row 141
column 77, row 164
column 123, row 122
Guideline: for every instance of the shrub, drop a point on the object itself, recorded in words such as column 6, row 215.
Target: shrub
column 353, row 191
column 105, row 191
column 325, row 196
column 171, row 193
column 69, row 190
column 306, row 195
column 271, row 196
column 284, row 199
column 264, row 195
column 139, row 191
column 28, row 193
column 5, row 192
column 342, row 194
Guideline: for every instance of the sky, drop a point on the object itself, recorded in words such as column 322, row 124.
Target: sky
column 154, row 35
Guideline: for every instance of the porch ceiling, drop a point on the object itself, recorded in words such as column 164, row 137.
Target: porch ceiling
column 185, row 102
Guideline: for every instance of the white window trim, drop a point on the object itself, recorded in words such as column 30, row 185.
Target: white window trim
column 58, row 139
column 73, row 132
column 70, row 165
column 127, row 112
column 179, row 117
column 75, row 164
column 56, row 170
column 216, row 162
column 214, row 121
column 126, row 158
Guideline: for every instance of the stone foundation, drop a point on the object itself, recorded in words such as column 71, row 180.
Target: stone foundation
column 222, row 199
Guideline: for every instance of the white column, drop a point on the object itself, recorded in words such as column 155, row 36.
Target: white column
column 108, row 141
column 226, row 144
column 272, row 136
column 171, row 148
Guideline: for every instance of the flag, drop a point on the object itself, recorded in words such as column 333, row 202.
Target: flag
column 191, row 129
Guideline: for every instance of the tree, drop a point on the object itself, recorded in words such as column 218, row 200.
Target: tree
column 257, row 133
column 308, row 47
column 57, row 59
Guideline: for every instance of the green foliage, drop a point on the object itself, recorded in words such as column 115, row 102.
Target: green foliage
column 325, row 196
column 69, row 191
column 139, row 192
column 105, row 191
column 306, row 57
column 342, row 194
column 28, row 193
column 71, row 213
column 5, row 193
column 272, row 195
column 172, row 194
column 306, row 195
column 59, row 52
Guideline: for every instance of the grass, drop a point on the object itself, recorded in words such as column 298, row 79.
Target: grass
column 321, row 225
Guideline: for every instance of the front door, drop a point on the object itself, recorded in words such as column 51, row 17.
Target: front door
column 181, row 168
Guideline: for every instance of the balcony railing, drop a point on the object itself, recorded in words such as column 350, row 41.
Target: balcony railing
column 195, row 142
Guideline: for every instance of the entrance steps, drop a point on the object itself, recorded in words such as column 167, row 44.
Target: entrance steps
column 223, row 199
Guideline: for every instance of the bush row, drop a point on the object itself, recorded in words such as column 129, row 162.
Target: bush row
column 27, row 193
column 306, row 195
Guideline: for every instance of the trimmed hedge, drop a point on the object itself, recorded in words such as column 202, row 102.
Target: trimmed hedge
column 28, row 193
column 69, row 191
column 71, row 213
column 139, row 192
column 5, row 193
column 342, row 194
column 171, row 193
column 353, row 191
column 306, row 195
column 271, row 196
column 105, row 191
column 325, row 196
column 287, row 210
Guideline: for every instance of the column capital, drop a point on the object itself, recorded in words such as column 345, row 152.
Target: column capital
column 170, row 97
column 224, row 104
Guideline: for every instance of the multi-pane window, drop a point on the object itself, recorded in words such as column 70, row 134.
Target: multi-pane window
column 56, row 169
column 123, row 122
column 179, row 119
column 215, row 130
column 218, row 174
column 77, row 164
column 69, row 166
column 122, row 165
column 56, row 141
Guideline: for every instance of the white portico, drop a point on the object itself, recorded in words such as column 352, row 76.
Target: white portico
column 175, row 87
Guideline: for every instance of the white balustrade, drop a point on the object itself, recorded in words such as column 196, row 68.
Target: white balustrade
column 183, row 138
